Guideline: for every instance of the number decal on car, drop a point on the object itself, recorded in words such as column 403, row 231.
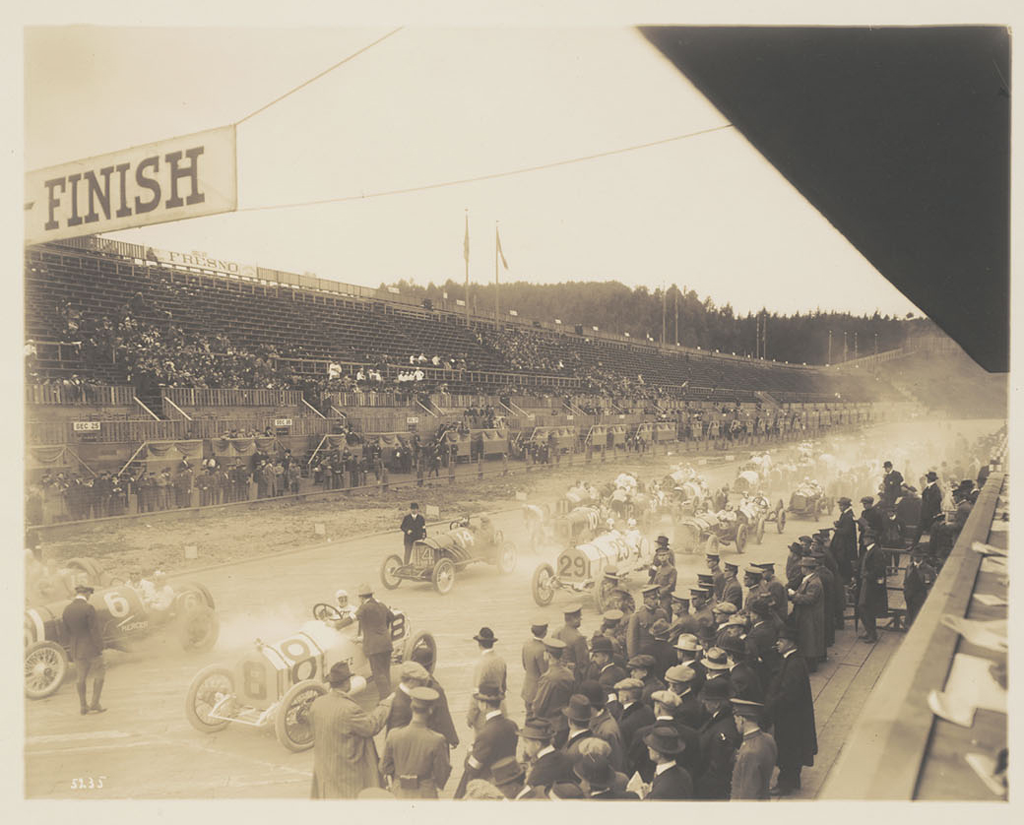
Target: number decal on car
column 564, row 565
column 296, row 652
column 116, row 604
column 398, row 627
column 579, row 567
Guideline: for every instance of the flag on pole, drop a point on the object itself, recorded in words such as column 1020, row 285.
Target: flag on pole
column 465, row 243
column 497, row 240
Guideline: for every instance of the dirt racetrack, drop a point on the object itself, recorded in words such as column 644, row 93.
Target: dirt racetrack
column 143, row 747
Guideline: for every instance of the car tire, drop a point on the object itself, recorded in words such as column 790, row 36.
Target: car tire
column 741, row 538
column 507, row 556
column 46, row 666
column 543, row 592
column 200, row 692
column 198, row 629
column 780, row 523
column 387, row 568
column 421, row 639
column 443, row 576
column 291, row 724
column 759, row 532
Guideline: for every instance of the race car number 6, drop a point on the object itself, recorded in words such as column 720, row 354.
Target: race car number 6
column 117, row 604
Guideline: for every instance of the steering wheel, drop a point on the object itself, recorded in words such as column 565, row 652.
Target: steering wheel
column 325, row 612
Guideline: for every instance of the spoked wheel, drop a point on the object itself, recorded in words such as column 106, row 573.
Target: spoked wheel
column 421, row 641
column 443, row 577
column 210, row 685
column 603, row 595
column 46, row 665
column 507, row 556
column 542, row 586
column 741, row 538
column 198, row 629
column 759, row 532
column 291, row 723
column 780, row 523
column 388, row 569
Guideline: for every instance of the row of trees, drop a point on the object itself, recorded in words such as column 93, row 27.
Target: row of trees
column 688, row 319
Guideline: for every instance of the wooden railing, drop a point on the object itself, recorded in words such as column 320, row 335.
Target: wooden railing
column 207, row 397
column 137, row 431
column 84, row 395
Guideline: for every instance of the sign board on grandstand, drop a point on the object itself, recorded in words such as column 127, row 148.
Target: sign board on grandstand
column 183, row 177
column 282, row 422
column 412, row 419
column 86, row 426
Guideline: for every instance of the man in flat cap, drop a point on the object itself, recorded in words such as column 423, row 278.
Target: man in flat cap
column 790, row 704
column 666, row 707
column 642, row 667
column 723, row 613
column 534, row 662
column 86, row 647
column 717, row 576
column 756, row 756
column 375, row 620
column 732, row 591
column 554, row 687
column 576, row 657
column 490, row 667
column 344, row 754
column 415, row 762
column 496, row 738
column 682, row 681
column 809, row 613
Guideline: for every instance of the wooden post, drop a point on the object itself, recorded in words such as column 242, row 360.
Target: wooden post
column 480, row 467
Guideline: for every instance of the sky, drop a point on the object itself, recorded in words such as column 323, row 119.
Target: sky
column 429, row 105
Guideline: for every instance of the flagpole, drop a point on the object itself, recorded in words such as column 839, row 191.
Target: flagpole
column 496, row 300
column 465, row 252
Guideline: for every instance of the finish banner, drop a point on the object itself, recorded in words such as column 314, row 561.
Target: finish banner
column 184, row 177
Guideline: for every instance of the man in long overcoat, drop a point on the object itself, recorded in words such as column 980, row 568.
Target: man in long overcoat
column 844, row 540
column 872, row 601
column 375, row 621
column 790, row 706
column 809, row 613
column 344, row 755
column 931, row 505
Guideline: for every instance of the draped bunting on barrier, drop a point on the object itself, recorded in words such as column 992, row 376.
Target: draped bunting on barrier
column 616, row 435
column 161, row 449
column 239, row 447
column 493, row 442
column 564, row 436
column 665, row 431
column 47, row 455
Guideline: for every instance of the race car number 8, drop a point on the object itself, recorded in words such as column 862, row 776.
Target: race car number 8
column 297, row 652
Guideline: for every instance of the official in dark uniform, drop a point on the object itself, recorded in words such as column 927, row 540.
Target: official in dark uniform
column 603, row 669
column 717, row 576
column 576, row 656
column 756, row 756
column 415, row 761
column 554, row 687
column 664, row 574
column 682, row 620
column 732, row 591
column 660, row 648
column 534, row 663
column 638, row 633
column 86, row 643
column 375, row 621
column 872, row 601
column 699, row 597
column 414, row 528
column 844, row 540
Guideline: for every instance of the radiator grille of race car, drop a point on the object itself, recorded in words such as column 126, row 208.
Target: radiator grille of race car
column 424, row 556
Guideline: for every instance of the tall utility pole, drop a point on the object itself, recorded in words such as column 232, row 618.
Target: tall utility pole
column 677, row 317
column 855, row 346
column 764, row 335
column 876, row 343
column 465, row 254
column 757, row 335
column 664, row 301
column 830, row 347
column 844, row 346
column 497, row 308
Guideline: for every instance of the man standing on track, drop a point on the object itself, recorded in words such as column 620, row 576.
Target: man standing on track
column 375, row 630
column 86, row 646
column 534, row 662
column 414, row 528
